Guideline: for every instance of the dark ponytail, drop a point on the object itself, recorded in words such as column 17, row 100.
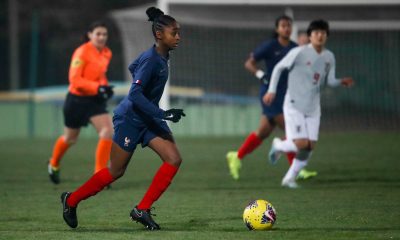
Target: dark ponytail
column 159, row 19
column 93, row 26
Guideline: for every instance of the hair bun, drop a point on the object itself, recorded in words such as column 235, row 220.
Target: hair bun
column 153, row 13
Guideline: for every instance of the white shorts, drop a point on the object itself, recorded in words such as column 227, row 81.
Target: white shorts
column 300, row 126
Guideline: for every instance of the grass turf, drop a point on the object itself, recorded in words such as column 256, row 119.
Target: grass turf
column 355, row 196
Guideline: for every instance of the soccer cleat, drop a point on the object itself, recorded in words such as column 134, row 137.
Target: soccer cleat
column 305, row 174
column 274, row 154
column 144, row 217
column 54, row 174
column 234, row 164
column 69, row 213
column 289, row 183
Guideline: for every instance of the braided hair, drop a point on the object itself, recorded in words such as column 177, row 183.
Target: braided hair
column 159, row 19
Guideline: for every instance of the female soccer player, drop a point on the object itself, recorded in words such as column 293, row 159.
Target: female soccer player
column 86, row 99
column 310, row 66
column 138, row 119
column 271, row 52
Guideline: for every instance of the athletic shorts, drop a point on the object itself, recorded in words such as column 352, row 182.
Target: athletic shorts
column 130, row 132
column 79, row 109
column 276, row 108
column 300, row 126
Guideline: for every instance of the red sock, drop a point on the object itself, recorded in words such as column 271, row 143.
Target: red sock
column 94, row 185
column 251, row 143
column 160, row 183
column 290, row 156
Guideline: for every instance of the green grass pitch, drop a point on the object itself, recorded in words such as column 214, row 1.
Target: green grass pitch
column 355, row 196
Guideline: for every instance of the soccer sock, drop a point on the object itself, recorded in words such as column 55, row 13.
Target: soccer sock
column 160, row 183
column 60, row 147
column 251, row 143
column 286, row 146
column 295, row 169
column 102, row 154
column 94, row 185
column 290, row 156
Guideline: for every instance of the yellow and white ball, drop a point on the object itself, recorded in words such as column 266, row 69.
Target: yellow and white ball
column 259, row 215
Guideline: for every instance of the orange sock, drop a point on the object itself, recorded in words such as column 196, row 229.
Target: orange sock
column 102, row 153
column 60, row 147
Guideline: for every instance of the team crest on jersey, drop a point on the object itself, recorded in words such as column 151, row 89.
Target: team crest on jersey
column 76, row 62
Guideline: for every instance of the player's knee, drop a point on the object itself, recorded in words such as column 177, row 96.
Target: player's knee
column 106, row 132
column 117, row 172
column 263, row 132
column 302, row 144
column 70, row 140
column 173, row 159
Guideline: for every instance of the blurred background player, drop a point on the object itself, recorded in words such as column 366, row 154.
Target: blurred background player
column 302, row 38
column 271, row 52
column 310, row 66
column 138, row 119
column 86, row 99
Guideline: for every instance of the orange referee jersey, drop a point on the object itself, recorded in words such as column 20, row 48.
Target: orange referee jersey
column 88, row 69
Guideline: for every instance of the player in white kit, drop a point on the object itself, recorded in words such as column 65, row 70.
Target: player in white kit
column 310, row 67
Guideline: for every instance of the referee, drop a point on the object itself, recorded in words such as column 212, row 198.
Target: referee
column 86, row 100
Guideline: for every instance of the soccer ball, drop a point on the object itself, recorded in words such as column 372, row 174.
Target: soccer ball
column 259, row 215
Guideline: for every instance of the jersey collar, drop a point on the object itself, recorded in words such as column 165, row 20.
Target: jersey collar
column 311, row 46
column 162, row 57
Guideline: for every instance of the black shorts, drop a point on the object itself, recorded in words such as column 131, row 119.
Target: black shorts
column 79, row 109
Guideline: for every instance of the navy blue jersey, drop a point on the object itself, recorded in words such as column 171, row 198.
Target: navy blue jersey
column 271, row 52
column 149, row 75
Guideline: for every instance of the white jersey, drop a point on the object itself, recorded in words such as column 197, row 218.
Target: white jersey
column 308, row 70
